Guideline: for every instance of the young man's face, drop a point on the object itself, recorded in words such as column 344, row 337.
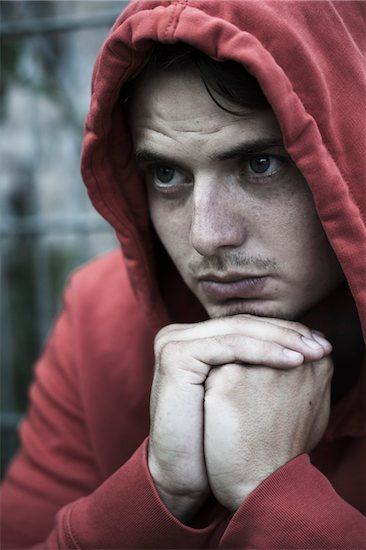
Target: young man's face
column 232, row 210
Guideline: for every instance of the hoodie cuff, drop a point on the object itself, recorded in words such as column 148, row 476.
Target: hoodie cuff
column 295, row 507
column 126, row 512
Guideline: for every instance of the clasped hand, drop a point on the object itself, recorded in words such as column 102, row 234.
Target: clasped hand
column 233, row 399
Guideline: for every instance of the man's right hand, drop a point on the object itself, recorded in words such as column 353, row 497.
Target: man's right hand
column 184, row 356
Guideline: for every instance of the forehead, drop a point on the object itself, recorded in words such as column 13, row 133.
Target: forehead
column 174, row 108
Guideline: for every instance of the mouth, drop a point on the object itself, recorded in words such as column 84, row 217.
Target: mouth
column 232, row 286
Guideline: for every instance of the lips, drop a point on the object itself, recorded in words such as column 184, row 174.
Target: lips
column 231, row 288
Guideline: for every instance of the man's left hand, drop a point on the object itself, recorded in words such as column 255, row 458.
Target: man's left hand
column 258, row 419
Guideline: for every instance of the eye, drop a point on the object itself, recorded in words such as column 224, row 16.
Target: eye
column 164, row 174
column 264, row 165
column 167, row 179
column 260, row 165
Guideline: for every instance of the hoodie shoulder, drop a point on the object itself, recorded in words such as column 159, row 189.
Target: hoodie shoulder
column 94, row 274
column 99, row 293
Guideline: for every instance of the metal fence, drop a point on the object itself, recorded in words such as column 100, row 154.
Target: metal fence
column 47, row 226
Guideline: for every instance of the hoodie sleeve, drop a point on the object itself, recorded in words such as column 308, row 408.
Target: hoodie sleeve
column 54, row 495
column 296, row 508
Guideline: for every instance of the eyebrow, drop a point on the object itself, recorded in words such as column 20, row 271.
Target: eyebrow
column 146, row 155
column 247, row 148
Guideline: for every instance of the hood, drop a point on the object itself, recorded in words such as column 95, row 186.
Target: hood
column 315, row 83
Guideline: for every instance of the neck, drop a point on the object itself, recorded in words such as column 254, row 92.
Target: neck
column 336, row 316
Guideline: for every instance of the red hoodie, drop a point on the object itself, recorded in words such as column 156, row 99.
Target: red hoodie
column 81, row 479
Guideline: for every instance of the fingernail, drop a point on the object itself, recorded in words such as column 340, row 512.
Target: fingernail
column 293, row 355
column 322, row 341
column 309, row 342
column 318, row 333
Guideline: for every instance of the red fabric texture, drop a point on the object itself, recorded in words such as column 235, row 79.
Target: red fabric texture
column 81, row 479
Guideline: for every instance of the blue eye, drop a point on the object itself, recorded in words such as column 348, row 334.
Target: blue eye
column 164, row 174
column 166, row 179
column 260, row 164
column 265, row 165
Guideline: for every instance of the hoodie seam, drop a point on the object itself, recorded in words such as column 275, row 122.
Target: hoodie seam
column 328, row 153
column 68, row 532
column 174, row 18
column 175, row 21
column 127, row 226
column 336, row 169
column 176, row 8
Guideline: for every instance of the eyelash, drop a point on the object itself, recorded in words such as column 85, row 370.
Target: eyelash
column 171, row 189
column 165, row 187
column 284, row 160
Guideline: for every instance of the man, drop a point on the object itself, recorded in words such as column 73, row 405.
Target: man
column 238, row 202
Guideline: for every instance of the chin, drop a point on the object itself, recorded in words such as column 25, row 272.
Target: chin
column 244, row 308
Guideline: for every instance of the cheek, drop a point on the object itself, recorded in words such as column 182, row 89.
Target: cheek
column 308, row 251
column 294, row 230
column 173, row 227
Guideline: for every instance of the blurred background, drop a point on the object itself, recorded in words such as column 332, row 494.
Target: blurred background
column 47, row 226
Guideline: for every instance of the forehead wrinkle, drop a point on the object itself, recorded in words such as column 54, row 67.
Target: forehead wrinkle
column 206, row 126
column 153, row 145
column 197, row 131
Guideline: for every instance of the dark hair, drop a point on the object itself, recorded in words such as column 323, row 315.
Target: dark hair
column 226, row 79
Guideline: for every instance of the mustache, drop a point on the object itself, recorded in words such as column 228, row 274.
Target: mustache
column 224, row 264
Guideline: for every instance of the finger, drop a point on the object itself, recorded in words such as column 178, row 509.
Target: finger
column 198, row 356
column 293, row 336
column 247, row 324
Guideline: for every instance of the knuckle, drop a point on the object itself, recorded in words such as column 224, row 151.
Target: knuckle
column 168, row 352
column 240, row 322
column 273, row 355
column 325, row 364
column 297, row 338
column 293, row 336
column 300, row 329
column 162, row 337
column 226, row 341
column 233, row 341
column 231, row 370
column 233, row 373
column 227, row 377
column 158, row 345
column 164, row 331
column 244, row 317
column 270, row 350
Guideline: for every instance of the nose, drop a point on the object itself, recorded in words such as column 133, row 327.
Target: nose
column 218, row 219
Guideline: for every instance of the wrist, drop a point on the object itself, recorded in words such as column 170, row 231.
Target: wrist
column 233, row 496
column 181, row 506
column 241, row 493
column 181, row 501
